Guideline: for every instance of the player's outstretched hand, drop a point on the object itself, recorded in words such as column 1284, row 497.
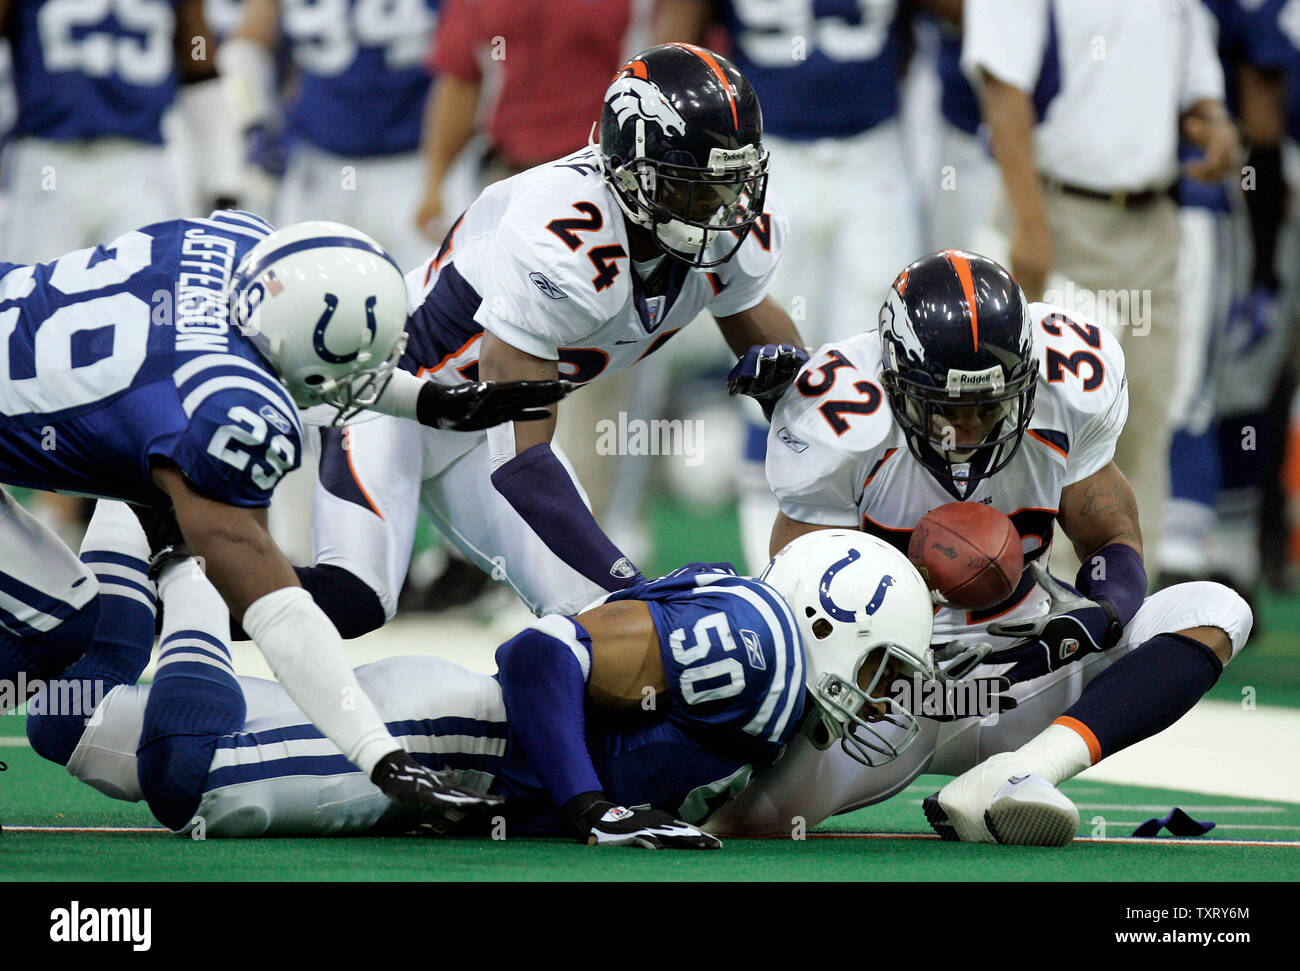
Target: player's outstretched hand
column 765, row 371
column 470, row 407
column 602, row 823
column 1073, row 627
column 405, row 780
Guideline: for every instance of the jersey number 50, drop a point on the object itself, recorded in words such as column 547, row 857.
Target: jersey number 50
column 694, row 673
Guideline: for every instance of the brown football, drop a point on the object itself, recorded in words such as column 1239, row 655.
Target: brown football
column 969, row 552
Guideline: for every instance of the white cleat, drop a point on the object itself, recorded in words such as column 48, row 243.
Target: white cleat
column 992, row 803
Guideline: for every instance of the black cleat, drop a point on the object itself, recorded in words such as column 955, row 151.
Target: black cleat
column 938, row 819
column 404, row 780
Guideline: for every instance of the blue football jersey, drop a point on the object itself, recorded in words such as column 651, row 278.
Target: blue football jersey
column 362, row 83
column 113, row 355
column 821, row 68
column 731, row 651
column 93, row 68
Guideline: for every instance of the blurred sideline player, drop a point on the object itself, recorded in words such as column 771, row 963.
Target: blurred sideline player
column 86, row 160
column 168, row 367
column 666, row 697
column 573, row 269
column 353, row 123
column 1259, row 342
column 968, row 393
column 827, row 74
column 348, row 139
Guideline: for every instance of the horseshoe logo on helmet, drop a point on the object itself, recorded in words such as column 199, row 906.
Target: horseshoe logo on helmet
column 824, row 588
column 318, row 336
column 878, row 597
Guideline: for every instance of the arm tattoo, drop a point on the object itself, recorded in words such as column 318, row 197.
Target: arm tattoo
column 1103, row 498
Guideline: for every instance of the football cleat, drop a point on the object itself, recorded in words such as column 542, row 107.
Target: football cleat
column 404, row 780
column 992, row 803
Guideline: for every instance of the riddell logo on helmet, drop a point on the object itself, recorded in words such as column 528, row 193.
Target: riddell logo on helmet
column 990, row 379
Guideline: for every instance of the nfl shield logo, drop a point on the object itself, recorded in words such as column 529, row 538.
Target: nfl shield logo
column 653, row 308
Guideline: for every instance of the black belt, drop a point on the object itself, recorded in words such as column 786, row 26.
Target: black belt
column 1120, row 197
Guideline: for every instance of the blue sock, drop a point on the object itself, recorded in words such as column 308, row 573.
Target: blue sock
column 117, row 654
column 194, row 699
column 44, row 655
column 1146, row 691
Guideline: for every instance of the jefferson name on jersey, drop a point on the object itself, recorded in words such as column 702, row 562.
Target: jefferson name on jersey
column 113, row 355
column 837, row 457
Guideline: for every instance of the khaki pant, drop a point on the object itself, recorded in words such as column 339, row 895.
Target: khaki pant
column 1120, row 266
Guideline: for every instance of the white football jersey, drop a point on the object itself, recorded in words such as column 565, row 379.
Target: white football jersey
column 541, row 260
column 837, row 457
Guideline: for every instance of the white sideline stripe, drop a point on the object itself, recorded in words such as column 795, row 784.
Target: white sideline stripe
column 86, row 829
column 16, row 741
column 1219, row 826
column 1161, row 808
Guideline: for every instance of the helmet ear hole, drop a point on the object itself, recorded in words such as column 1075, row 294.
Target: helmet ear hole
column 822, row 628
column 313, row 379
column 809, row 612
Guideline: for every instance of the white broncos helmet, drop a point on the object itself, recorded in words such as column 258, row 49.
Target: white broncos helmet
column 326, row 306
column 859, row 602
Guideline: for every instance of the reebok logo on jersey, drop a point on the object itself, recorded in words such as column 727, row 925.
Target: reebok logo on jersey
column 275, row 418
column 795, row 444
column 546, row 286
column 754, row 650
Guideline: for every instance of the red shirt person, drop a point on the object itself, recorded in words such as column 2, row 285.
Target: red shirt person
column 556, row 58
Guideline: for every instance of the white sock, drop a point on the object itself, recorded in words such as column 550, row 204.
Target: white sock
column 1057, row 753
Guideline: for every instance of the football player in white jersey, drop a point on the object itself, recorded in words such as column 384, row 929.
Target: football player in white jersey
column 575, row 269
column 968, row 393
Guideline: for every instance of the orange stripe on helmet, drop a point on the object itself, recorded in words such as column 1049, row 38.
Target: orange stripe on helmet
column 633, row 69
column 962, row 267
column 707, row 57
column 901, row 283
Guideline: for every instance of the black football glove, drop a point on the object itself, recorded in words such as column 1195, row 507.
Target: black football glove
column 405, row 780
column 166, row 542
column 765, row 371
column 470, row 407
column 601, row 823
column 1073, row 628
